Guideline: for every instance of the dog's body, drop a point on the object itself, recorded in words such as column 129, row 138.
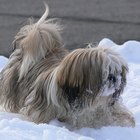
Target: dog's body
column 44, row 81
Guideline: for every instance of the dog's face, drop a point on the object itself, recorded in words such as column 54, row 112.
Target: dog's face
column 87, row 73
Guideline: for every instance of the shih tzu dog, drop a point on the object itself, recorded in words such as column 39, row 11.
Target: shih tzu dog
column 43, row 80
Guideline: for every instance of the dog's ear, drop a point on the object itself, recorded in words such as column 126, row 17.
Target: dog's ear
column 80, row 75
column 36, row 41
column 124, row 72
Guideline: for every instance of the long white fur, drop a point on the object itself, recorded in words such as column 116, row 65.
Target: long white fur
column 52, row 89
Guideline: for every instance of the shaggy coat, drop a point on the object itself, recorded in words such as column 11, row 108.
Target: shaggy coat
column 43, row 80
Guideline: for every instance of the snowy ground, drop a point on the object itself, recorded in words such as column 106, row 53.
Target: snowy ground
column 15, row 127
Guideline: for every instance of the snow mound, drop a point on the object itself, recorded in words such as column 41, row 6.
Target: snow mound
column 13, row 128
column 16, row 127
column 130, row 50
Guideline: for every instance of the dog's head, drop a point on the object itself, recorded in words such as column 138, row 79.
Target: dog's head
column 87, row 73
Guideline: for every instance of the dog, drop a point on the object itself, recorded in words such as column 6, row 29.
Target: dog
column 44, row 81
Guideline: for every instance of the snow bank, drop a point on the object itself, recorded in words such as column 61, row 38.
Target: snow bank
column 15, row 127
column 129, row 50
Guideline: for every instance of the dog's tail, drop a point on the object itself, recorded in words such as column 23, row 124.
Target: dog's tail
column 44, row 16
column 37, row 40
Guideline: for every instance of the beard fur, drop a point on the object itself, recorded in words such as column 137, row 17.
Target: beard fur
column 44, row 81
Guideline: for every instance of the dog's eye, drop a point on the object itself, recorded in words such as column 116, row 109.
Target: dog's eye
column 111, row 77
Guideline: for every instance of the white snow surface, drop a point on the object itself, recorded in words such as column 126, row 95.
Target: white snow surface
column 3, row 61
column 16, row 127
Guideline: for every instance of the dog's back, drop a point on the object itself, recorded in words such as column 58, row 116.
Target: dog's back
column 37, row 48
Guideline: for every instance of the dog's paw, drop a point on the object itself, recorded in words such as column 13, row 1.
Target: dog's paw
column 129, row 121
column 123, row 119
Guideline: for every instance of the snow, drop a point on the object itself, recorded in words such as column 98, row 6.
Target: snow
column 16, row 127
column 3, row 61
column 129, row 50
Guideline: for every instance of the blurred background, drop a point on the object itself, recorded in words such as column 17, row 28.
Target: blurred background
column 84, row 21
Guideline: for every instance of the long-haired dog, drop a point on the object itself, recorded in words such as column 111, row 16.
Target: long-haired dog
column 43, row 80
